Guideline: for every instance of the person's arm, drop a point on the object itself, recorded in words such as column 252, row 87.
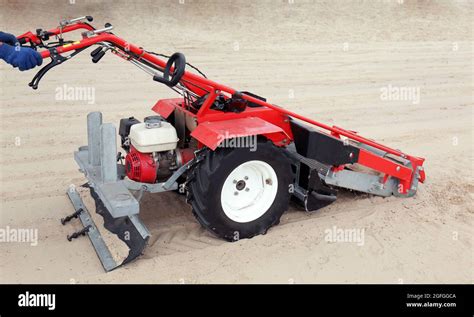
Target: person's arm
column 22, row 57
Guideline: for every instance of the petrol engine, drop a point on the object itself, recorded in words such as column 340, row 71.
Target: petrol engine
column 151, row 146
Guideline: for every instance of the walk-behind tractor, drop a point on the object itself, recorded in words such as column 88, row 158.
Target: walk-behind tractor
column 238, row 158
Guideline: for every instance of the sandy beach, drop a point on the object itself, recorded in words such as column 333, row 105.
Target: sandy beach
column 339, row 62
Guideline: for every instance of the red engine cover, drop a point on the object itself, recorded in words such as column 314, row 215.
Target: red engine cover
column 140, row 167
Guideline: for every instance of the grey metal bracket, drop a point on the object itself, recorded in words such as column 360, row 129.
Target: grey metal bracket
column 93, row 233
column 151, row 188
column 362, row 182
column 112, row 192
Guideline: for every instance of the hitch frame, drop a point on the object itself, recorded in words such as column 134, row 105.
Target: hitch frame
column 112, row 192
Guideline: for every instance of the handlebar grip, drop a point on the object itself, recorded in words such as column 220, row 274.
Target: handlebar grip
column 96, row 51
column 45, row 54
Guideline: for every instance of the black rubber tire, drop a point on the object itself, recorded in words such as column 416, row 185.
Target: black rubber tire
column 206, row 180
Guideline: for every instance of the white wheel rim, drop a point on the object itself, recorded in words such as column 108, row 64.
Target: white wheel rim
column 249, row 191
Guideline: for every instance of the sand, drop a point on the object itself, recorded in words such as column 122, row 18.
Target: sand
column 330, row 61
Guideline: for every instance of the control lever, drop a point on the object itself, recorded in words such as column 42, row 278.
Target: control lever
column 56, row 59
column 96, row 51
column 97, row 54
column 63, row 23
column 98, row 57
column 108, row 27
column 44, row 35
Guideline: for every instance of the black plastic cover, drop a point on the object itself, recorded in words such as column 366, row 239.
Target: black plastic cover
column 124, row 129
column 321, row 146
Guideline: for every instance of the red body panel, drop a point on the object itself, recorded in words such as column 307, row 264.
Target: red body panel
column 213, row 133
column 165, row 107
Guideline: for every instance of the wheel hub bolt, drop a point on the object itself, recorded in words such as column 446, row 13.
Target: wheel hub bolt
column 240, row 185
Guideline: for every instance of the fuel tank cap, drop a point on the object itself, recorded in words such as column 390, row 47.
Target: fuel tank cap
column 152, row 122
